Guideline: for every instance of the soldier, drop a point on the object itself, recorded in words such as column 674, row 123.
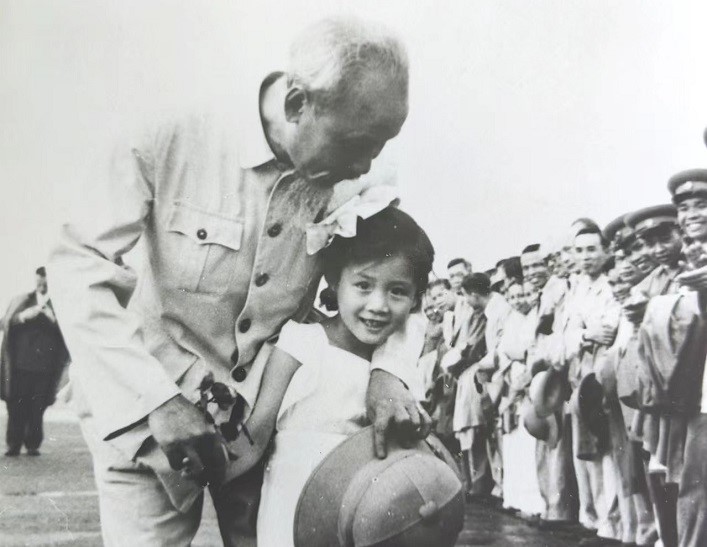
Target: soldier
column 673, row 346
column 657, row 228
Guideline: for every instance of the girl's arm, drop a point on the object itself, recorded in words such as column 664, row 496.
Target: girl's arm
column 249, row 447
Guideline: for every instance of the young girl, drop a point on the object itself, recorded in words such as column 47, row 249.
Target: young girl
column 314, row 386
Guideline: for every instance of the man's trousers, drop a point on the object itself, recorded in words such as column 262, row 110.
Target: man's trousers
column 692, row 497
column 135, row 508
column 25, row 409
column 596, row 484
column 556, row 478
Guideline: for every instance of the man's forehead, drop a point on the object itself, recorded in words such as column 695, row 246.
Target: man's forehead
column 581, row 240
column 527, row 259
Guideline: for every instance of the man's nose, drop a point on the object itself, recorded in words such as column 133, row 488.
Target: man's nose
column 362, row 165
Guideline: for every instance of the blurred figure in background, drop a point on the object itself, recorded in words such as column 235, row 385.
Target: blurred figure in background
column 33, row 358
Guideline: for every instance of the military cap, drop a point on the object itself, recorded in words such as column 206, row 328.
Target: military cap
column 613, row 228
column 618, row 233
column 649, row 218
column 687, row 184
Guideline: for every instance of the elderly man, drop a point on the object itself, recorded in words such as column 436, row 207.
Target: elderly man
column 233, row 210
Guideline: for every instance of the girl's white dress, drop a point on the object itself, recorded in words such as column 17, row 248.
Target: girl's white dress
column 324, row 404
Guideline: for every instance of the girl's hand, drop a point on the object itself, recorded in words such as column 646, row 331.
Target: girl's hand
column 393, row 410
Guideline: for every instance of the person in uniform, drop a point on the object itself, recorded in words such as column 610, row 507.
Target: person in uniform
column 657, row 227
column 233, row 209
column 617, row 374
column 673, row 346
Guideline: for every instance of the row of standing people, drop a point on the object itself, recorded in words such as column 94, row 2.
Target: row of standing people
column 590, row 357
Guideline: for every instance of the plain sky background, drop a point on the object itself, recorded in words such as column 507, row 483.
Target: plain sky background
column 524, row 114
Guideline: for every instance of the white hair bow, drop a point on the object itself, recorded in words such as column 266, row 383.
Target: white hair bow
column 342, row 221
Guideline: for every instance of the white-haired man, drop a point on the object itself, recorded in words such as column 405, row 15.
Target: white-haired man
column 232, row 211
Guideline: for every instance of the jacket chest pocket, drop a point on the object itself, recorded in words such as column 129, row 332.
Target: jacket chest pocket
column 203, row 249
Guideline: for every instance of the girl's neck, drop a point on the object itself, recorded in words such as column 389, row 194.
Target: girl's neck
column 341, row 337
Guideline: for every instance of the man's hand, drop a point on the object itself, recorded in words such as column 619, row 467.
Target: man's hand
column 393, row 410
column 601, row 334
column 695, row 280
column 29, row 314
column 188, row 440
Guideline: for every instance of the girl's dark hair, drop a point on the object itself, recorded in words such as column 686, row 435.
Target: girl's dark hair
column 390, row 232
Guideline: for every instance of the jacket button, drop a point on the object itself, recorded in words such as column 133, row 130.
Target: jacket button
column 261, row 280
column 201, row 233
column 234, row 357
column 275, row 230
column 244, row 325
column 239, row 374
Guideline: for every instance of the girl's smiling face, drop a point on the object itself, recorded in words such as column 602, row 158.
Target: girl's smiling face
column 376, row 297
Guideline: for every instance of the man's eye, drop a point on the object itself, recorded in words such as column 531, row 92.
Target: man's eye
column 363, row 285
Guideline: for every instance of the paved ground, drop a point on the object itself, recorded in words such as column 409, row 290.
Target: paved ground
column 51, row 500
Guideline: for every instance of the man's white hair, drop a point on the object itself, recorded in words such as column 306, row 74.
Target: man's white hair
column 327, row 57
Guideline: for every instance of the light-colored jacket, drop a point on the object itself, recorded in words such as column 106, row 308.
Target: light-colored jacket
column 588, row 303
column 226, row 234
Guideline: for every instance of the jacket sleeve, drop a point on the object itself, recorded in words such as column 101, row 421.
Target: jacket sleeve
column 91, row 287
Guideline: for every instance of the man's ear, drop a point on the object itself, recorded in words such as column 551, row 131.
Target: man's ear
column 295, row 101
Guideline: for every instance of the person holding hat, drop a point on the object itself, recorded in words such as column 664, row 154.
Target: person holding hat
column 553, row 456
column 616, row 374
column 591, row 321
column 485, row 451
column 508, row 389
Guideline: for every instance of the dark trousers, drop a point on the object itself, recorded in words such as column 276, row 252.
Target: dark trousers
column 692, row 498
column 25, row 409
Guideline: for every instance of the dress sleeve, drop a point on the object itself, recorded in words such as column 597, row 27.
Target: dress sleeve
column 304, row 343
column 296, row 340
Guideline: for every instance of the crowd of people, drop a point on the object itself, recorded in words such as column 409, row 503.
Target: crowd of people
column 590, row 357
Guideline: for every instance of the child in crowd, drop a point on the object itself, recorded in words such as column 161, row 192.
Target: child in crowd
column 314, row 385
